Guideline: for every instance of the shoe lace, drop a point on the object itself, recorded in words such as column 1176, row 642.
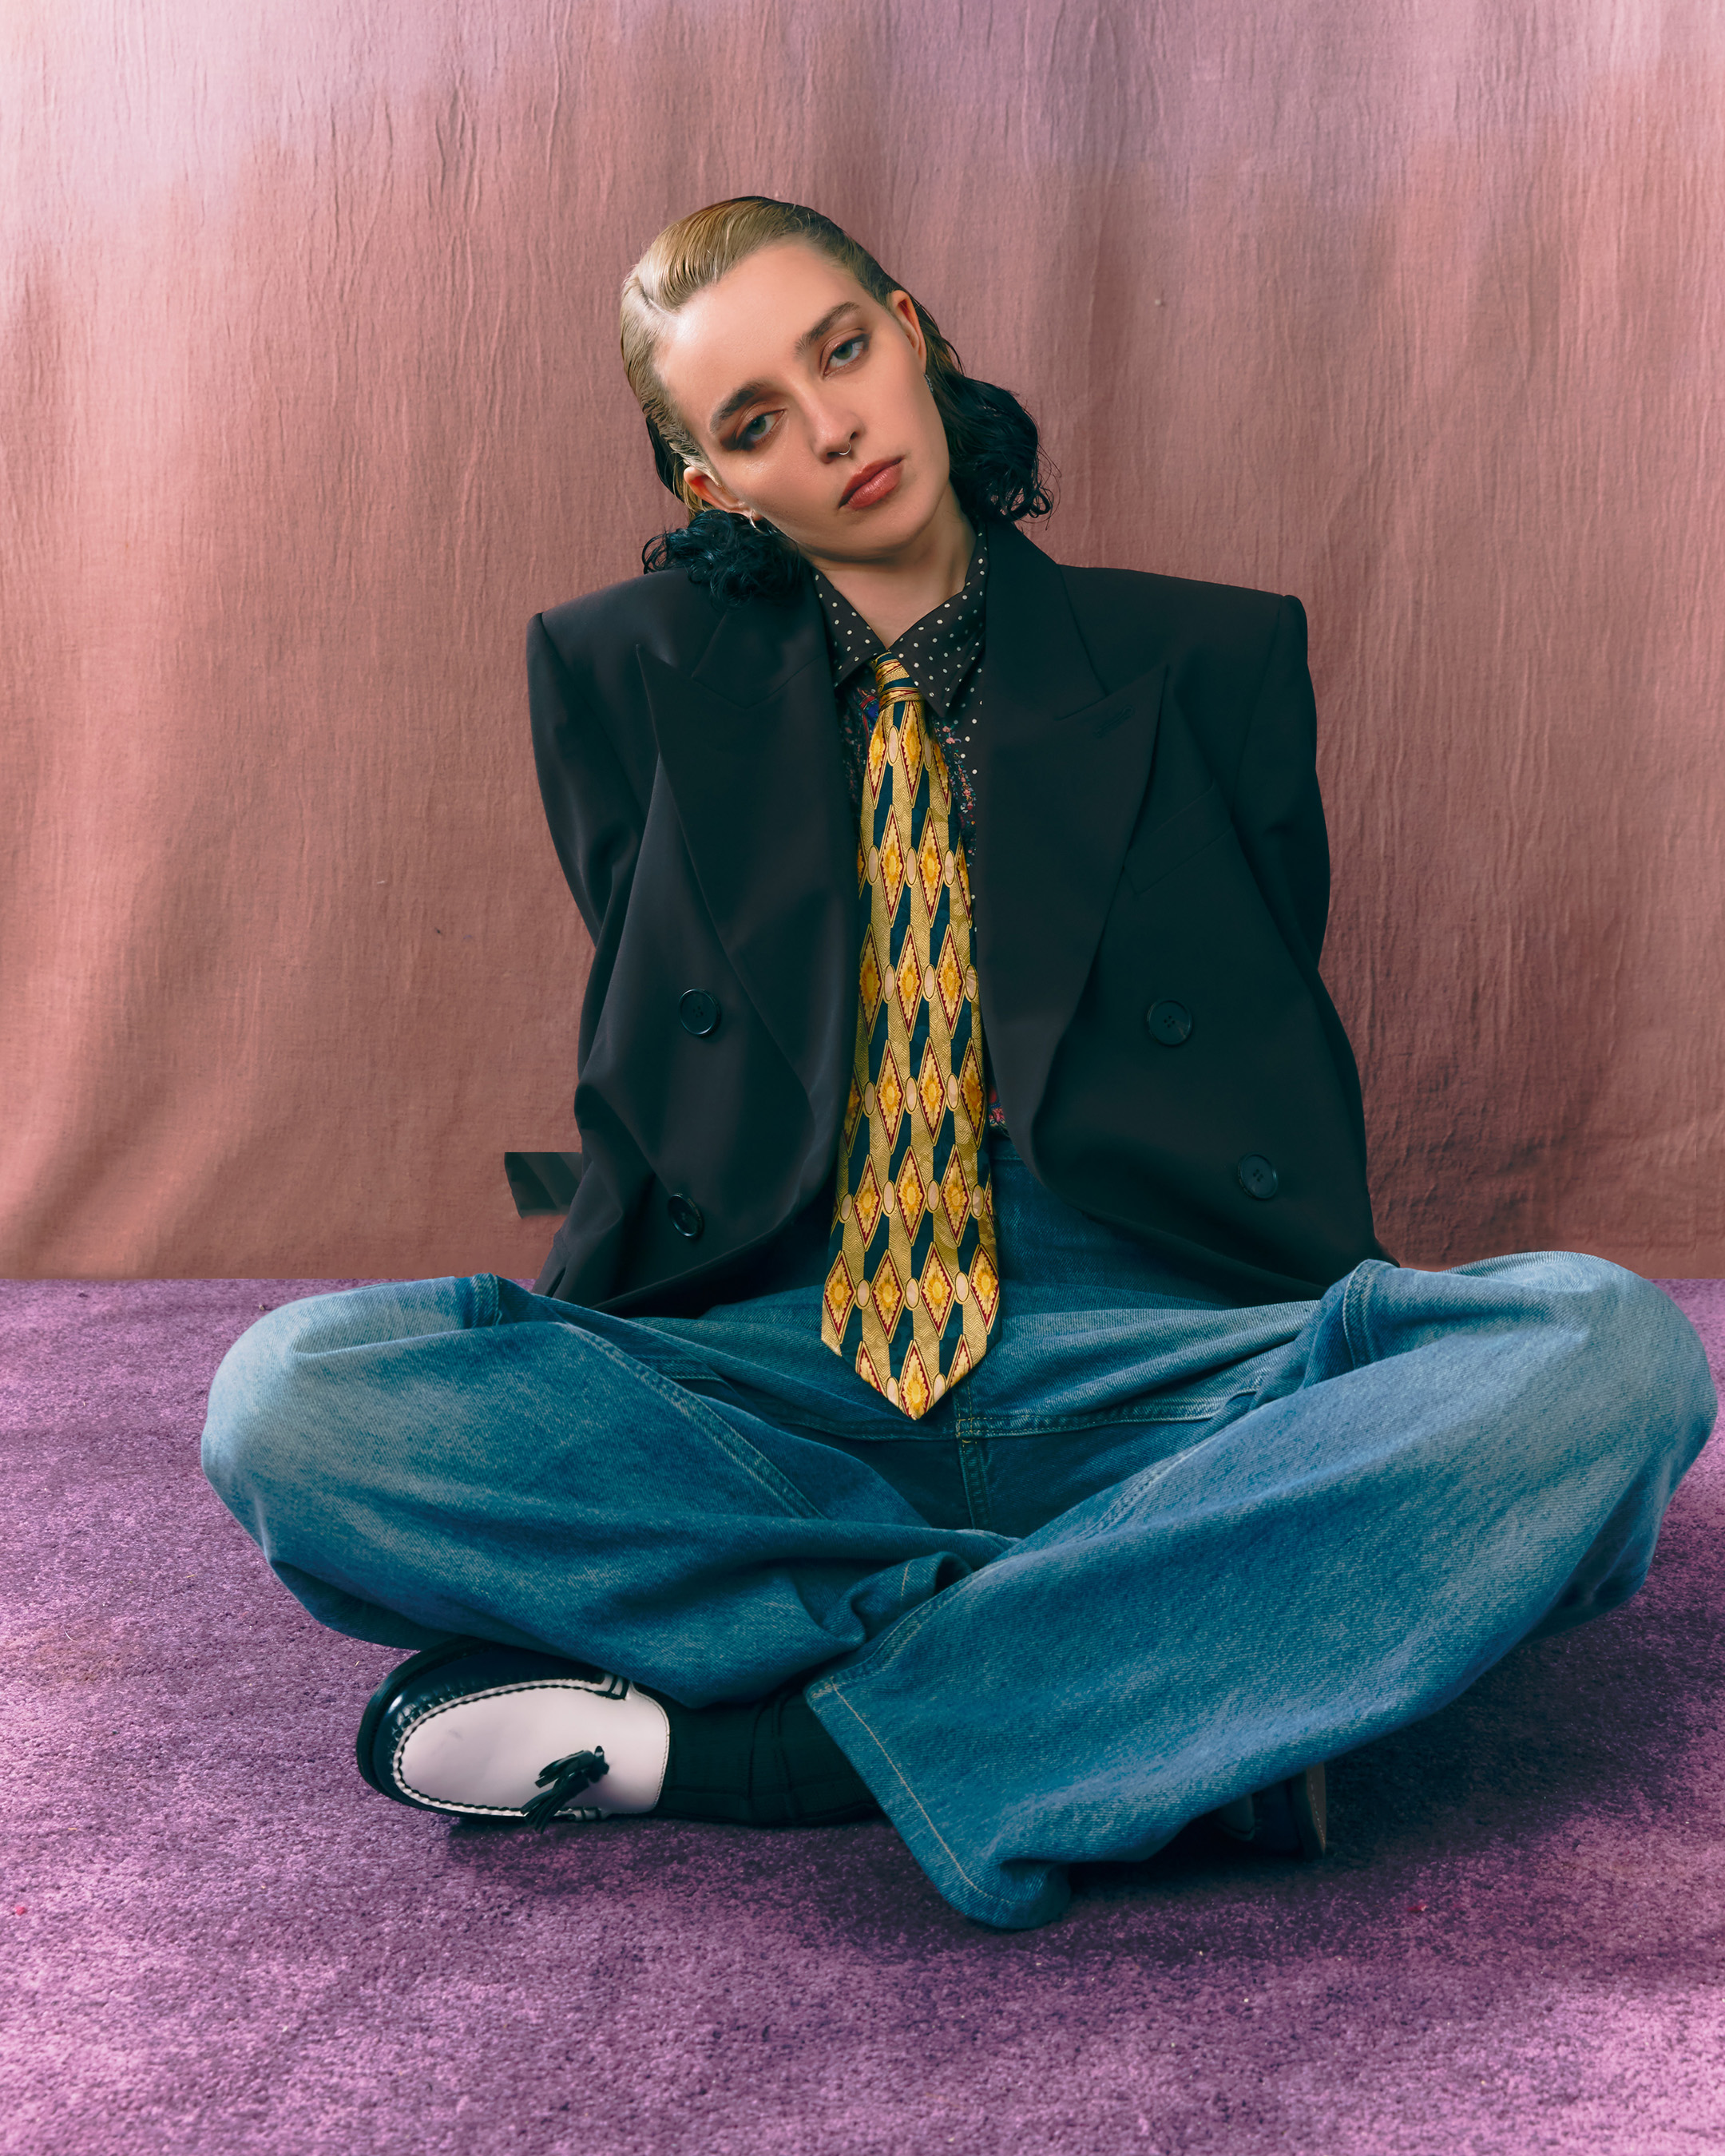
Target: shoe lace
column 566, row 1779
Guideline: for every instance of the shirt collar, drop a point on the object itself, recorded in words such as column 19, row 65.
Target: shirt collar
column 937, row 651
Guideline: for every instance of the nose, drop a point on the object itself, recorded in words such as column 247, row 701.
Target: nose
column 832, row 430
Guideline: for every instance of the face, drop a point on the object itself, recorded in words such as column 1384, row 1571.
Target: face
column 796, row 384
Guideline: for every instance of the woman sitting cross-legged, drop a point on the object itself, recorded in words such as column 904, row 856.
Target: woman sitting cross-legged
column 967, row 1384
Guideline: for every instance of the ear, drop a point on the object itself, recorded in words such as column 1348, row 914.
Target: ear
column 713, row 492
column 903, row 307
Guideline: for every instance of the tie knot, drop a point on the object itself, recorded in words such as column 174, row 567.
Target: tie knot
column 891, row 680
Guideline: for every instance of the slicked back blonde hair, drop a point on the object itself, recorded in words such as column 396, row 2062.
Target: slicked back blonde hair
column 695, row 252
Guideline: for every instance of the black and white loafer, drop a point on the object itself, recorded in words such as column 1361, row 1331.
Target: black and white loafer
column 499, row 1732
column 1289, row 1818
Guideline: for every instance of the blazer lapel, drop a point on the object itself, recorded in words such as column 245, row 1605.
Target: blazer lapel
column 1058, row 792
column 749, row 741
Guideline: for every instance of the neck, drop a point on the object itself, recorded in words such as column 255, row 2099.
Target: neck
column 892, row 591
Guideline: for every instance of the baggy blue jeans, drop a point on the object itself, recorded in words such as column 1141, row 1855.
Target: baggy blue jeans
column 1156, row 1551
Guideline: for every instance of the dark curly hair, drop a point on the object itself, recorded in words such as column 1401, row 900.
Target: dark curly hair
column 997, row 467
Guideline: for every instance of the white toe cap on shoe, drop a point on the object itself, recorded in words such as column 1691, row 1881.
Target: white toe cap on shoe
column 486, row 1753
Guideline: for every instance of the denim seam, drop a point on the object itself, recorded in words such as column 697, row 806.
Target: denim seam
column 975, row 1429
column 797, row 1423
column 1355, row 1328
column 974, row 1468
column 1146, row 1478
column 1137, row 1418
column 788, row 1415
column 737, row 1448
column 981, row 1893
column 886, row 1645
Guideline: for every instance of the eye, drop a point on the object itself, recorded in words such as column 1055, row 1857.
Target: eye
column 846, row 353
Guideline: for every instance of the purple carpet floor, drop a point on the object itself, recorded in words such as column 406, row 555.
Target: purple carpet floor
column 217, row 1939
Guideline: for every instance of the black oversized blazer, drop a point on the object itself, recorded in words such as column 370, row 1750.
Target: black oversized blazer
column 1148, row 828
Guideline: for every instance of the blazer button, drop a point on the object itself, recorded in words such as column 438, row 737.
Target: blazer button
column 685, row 1216
column 1170, row 1023
column 1257, row 1178
column 699, row 1012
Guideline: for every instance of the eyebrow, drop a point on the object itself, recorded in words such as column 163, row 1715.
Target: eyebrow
column 751, row 390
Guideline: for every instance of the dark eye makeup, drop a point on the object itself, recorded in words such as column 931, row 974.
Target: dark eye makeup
column 745, row 437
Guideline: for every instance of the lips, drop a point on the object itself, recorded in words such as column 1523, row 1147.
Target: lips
column 864, row 485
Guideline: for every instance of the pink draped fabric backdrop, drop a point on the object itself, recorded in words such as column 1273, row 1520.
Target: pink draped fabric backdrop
column 309, row 396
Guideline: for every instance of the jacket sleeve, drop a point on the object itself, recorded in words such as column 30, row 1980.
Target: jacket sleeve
column 596, row 819
column 1278, row 810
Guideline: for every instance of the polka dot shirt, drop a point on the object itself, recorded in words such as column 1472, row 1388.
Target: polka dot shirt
column 942, row 654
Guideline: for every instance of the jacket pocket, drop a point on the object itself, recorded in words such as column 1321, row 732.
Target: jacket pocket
column 1176, row 839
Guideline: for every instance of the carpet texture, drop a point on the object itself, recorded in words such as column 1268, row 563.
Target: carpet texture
column 216, row 1939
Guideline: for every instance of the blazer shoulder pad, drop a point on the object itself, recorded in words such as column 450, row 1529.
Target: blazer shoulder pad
column 1130, row 617
column 674, row 619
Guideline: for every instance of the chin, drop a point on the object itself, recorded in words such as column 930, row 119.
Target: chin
column 909, row 512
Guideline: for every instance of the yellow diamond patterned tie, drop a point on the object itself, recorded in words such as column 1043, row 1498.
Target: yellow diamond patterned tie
column 913, row 1285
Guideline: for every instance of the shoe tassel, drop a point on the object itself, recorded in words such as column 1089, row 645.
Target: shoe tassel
column 566, row 1779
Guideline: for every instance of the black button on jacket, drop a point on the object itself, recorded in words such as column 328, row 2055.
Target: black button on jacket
column 699, row 1012
column 1148, row 828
